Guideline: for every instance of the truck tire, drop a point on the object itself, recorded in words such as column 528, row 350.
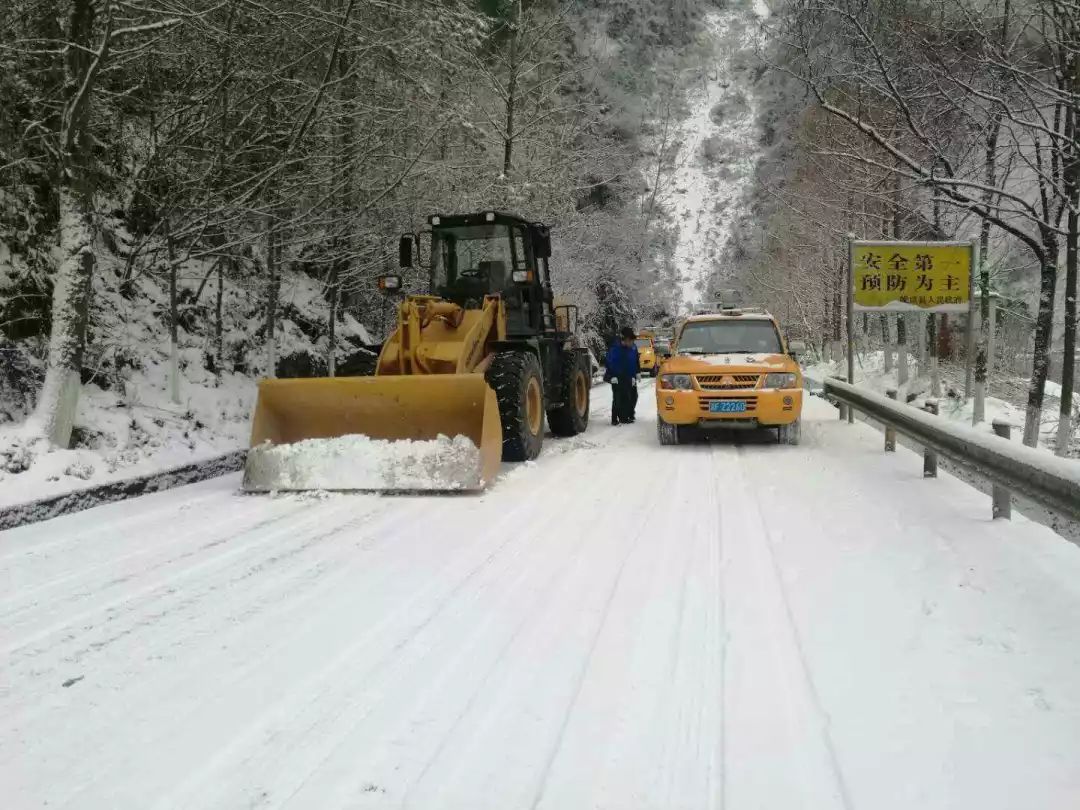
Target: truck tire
column 519, row 388
column 572, row 417
column 667, row 433
column 790, row 434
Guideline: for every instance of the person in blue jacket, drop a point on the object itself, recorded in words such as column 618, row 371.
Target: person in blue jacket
column 621, row 370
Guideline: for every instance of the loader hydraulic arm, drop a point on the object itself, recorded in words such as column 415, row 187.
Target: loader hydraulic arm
column 435, row 336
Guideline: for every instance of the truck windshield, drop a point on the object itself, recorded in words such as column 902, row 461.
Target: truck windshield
column 729, row 337
column 643, row 343
column 471, row 252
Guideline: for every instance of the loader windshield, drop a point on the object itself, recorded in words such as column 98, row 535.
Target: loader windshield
column 479, row 255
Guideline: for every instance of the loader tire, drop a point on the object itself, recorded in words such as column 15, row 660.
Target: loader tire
column 572, row 417
column 519, row 388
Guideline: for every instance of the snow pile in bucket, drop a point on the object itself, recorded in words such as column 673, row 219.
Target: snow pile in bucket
column 362, row 463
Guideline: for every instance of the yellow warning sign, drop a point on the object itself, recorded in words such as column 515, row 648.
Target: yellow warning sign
column 905, row 276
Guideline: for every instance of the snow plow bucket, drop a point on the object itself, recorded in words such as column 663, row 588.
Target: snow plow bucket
column 437, row 432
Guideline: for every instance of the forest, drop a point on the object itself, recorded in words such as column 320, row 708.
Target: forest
column 196, row 193
column 926, row 120
column 166, row 167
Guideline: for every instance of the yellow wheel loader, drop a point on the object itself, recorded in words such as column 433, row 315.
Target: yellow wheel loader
column 464, row 381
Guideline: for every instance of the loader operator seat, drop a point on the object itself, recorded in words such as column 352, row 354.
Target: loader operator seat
column 494, row 272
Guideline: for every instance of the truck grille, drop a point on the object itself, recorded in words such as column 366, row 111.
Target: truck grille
column 751, row 405
column 727, row 382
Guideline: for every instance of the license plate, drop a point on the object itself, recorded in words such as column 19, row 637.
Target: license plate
column 727, row 406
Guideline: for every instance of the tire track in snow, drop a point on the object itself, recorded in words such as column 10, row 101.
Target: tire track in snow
column 444, row 657
column 262, row 501
column 916, row 652
column 333, row 692
column 262, row 533
column 501, row 743
column 550, row 543
column 820, row 781
column 243, row 674
column 32, row 542
column 647, row 722
column 170, row 543
column 549, row 547
column 172, row 625
column 721, row 596
column 585, row 664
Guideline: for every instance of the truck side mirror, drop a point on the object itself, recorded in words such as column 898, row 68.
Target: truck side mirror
column 541, row 239
column 405, row 246
column 796, row 347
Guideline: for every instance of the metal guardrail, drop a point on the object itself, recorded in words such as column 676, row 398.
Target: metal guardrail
column 1052, row 482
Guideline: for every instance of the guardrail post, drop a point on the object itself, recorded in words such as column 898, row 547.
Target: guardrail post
column 890, row 431
column 929, row 465
column 1002, row 496
column 1007, row 468
column 843, row 410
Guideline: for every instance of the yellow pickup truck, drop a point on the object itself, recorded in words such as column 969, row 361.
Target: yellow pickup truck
column 730, row 369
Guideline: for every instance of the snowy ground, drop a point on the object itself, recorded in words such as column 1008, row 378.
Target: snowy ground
column 618, row 625
column 135, row 439
column 718, row 147
column 127, row 423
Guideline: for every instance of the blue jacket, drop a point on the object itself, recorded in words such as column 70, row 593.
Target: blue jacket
column 622, row 362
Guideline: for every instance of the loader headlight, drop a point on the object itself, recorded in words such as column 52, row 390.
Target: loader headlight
column 389, row 283
column 522, row 276
column 781, row 380
column 676, row 382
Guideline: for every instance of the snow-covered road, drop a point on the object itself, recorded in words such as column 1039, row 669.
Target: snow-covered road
column 619, row 625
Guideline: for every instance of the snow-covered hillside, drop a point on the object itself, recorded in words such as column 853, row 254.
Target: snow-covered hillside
column 127, row 422
column 717, row 149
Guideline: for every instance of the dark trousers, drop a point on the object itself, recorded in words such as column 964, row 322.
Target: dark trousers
column 623, row 400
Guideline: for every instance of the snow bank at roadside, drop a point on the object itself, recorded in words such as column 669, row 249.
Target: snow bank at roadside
column 128, row 423
column 130, row 430
column 358, row 462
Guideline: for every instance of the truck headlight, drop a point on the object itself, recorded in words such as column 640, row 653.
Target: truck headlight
column 783, row 379
column 676, row 382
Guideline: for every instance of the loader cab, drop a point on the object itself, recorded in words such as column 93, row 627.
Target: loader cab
column 493, row 253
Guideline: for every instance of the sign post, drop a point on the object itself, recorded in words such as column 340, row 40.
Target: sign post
column 969, row 364
column 851, row 321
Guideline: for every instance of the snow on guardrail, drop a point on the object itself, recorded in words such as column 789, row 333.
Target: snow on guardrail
column 1051, row 481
